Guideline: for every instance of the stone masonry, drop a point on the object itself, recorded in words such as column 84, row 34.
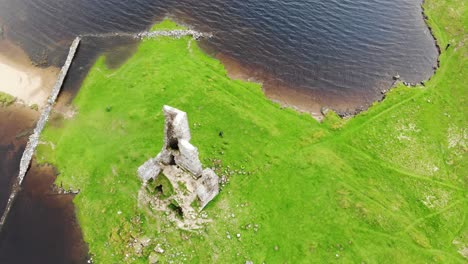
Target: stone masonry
column 178, row 161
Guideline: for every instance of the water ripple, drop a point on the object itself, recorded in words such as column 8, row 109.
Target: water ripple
column 341, row 47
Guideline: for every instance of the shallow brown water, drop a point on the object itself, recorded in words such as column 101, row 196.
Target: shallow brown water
column 41, row 227
column 16, row 123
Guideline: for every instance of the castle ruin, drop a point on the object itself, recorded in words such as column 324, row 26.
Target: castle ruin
column 175, row 178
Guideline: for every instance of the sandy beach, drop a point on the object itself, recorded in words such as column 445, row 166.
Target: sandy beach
column 18, row 77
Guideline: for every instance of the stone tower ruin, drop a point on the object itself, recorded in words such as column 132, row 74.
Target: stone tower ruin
column 191, row 186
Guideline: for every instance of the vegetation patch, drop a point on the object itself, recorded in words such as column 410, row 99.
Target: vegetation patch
column 6, row 99
column 387, row 186
column 160, row 187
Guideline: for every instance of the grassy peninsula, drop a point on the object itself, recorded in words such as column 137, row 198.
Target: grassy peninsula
column 387, row 186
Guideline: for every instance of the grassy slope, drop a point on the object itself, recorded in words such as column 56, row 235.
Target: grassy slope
column 387, row 186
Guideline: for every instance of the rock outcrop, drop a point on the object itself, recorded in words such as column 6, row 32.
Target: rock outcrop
column 192, row 187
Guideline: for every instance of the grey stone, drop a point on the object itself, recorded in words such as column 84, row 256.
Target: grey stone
column 176, row 126
column 177, row 149
column 159, row 249
column 164, row 157
column 138, row 248
column 209, row 187
column 188, row 158
column 153, row 259
column 149, row 170
column 176, row 33
column 179, row 162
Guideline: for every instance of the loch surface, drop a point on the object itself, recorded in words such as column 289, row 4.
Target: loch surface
column 342, row 52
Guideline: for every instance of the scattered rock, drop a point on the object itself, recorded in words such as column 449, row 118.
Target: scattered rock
column 153, row 259
column 138, row 248
column 324, row 110
column 145, row 241
column 159, row 249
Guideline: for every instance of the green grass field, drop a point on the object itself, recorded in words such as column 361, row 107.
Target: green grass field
column 387, row 186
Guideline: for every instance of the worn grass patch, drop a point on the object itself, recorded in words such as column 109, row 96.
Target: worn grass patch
column 388, row 186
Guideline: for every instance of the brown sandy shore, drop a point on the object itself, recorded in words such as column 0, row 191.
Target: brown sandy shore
column 20, row 78
column 302, row 100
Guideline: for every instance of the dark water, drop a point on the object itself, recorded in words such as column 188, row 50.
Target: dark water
column 16, row 123
column 338, row 53
column 41, row 227
column 344, row 52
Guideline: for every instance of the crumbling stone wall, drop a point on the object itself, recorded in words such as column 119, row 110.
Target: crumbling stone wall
column 208, row 188
column 176, row 33
column 179, row 162
column 177, row 142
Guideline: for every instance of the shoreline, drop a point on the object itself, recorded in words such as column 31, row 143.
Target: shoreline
column 33, row 140
column 29, row 84
column 431, row 31
column 312, row 101
column 43, row 211
column 20, row 73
